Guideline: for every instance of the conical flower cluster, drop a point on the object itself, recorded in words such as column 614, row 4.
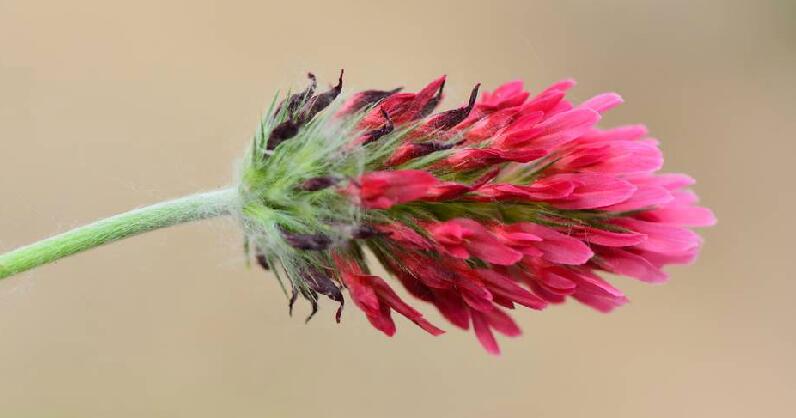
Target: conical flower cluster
column 509, row 200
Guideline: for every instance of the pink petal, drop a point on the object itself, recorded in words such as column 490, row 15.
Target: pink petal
column 478, row 241
column 502, row 323
column 382, row 321
column 661, row 259
column 383, row 189
column 662, row 238
column 451, row 305
column 554, row 132
column 603, row 102
column 619, row 133
column 404, row 234
column 626, row 263
column 475, row 294
column 544, row 102
column 694, row 216
column 508, row 288
column 564, row 127
column 495, row 252
column 611, row 239
column 507, row 95
column 489, row 125
column 597, row 293
column 594, row 191
column 484, row 333
column 644, row 197
column 391, row 298
column 555, row 280
column 561, row 85
column 557, row 247
column 425, row 95
column 542, row 190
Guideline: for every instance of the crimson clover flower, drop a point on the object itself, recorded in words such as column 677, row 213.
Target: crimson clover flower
column 510, row 199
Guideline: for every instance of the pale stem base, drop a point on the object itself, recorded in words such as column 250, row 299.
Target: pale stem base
column 160, row 215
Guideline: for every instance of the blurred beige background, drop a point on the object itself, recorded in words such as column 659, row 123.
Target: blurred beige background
column 107, row 105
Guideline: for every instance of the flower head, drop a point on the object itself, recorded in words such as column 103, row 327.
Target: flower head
column 509, row 199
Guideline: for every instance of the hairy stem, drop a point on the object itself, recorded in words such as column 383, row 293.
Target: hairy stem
column 137, row 221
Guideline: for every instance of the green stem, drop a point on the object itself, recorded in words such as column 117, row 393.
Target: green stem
column 137, row 221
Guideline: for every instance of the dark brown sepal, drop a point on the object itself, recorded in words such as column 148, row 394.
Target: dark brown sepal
column 297, row 100
column 320, row 283
column 365, row 232
column 371, row 97
column 293, row 298
column 375, row 134
column 312, row 242
column 425, row 148
column 313, row 299
column 321, row 101
column 451, row 118
column 318, row 183
column 432, row 104
column 281, row 133
column 262, row 261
